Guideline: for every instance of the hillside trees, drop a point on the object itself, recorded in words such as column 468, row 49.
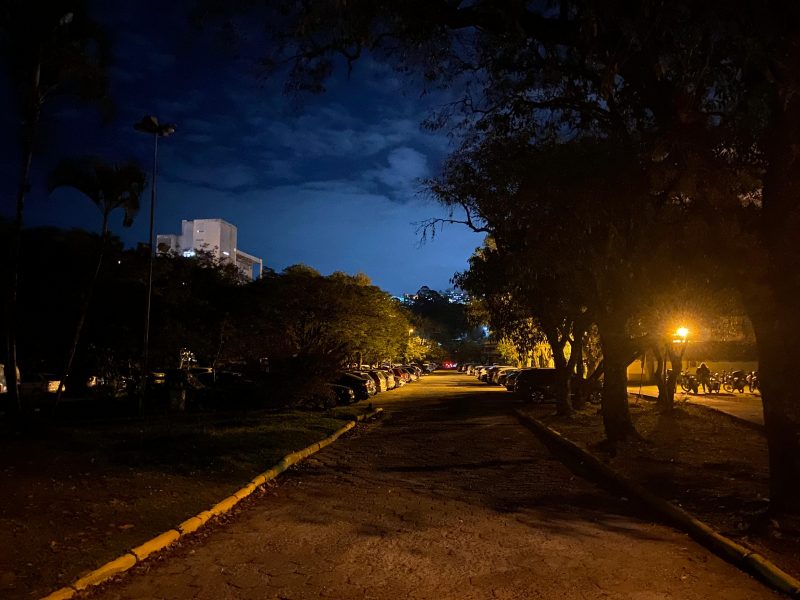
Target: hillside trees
column 300, row 313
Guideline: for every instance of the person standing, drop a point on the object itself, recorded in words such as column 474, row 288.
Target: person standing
column 703, row 377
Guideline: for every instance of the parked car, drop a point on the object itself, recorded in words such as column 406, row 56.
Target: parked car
column 502, row 376
column 493, row 372
column 363, row 387
column 37, row 384
column 418, row 370
column 412, row 372
column 536, row 385
column 511, row 379
column 3, row 381
column 390, row 381
column 344, row 395
column 483, row 372
column 402, row 374
column 378, row 378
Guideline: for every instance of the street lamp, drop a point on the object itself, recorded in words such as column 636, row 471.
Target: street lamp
column 683, row 336
column 150, row 125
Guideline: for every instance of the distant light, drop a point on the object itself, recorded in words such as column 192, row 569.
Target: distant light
column 682, row 332
column 226, row 253
column 188, row 253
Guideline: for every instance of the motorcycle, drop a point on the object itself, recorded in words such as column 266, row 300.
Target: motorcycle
column 688, row 382
column 714, row 383
column 734, row 380
column 752, row 381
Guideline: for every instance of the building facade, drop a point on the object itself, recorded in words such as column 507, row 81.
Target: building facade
column 215, row 236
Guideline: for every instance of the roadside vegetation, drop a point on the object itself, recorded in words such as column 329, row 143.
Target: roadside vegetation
column 616, row 166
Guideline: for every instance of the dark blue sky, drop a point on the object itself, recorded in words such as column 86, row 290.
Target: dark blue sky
column 332, row 182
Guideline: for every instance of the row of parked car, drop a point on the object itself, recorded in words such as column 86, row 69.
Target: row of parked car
column 32, row 384
column 529, row 384
column 363, row 382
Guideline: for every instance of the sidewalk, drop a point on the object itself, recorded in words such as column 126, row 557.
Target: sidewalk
column 746, row 406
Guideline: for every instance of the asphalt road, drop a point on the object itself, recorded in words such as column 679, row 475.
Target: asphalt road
column 446, row 497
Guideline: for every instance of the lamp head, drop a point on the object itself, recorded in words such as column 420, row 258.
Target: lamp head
column 148, row 124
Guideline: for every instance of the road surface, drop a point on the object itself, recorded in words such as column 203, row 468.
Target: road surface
column 446, row 497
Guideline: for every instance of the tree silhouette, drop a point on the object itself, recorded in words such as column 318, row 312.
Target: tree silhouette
column 110, row 187
column 50, row 48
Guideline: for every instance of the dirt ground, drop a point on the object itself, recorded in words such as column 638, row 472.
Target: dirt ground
column 448, row 496
column 708, row 463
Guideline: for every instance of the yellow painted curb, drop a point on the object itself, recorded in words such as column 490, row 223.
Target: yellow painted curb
column 224, row 506
column 159, row 542
column 735, row 553
column 62, row 594
column 244, row 492
column 106, row 572
column 192, row 524
column 772, row 574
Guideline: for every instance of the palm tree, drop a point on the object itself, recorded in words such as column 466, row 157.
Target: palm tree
column 109, row 187
column 49, row 48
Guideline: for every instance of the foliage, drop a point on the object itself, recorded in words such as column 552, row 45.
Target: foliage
column 301, row 313
column 50, row 49
column 108, row 186
column 508, row 352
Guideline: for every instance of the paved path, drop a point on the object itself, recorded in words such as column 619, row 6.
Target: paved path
column 446, row 497
column 745, row 406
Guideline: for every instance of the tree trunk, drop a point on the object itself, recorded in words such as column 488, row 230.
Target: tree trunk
column 773, row 307
column 671, row 382
column 777, row 364
column 616, row 358
column 576, row 357
column 84, row 310
column 660, row 375
column 563, row 392
column 12, row 367
column 666, row 396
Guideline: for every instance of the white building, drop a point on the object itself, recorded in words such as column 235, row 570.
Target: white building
column 216, row 236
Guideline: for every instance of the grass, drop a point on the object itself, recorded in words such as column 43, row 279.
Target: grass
column 708, row 463
column 79, row 494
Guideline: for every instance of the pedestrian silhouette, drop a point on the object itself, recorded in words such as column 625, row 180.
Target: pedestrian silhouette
column 703, row 377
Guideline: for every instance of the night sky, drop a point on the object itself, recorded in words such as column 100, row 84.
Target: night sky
column 331, row 181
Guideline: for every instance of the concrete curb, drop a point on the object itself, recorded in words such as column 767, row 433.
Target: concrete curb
column 192, row 524
column 738, row 555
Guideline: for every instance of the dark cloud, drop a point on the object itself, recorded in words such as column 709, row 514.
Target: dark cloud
column 331, row 181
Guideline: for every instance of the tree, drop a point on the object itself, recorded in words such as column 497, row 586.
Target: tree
column 440, row 320
column 51, row 48
column 109, row 187
column 697, row 89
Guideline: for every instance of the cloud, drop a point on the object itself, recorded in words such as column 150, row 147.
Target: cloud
column 231, row 176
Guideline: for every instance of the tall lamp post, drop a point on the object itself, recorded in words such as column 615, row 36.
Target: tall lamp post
column 150, row 125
